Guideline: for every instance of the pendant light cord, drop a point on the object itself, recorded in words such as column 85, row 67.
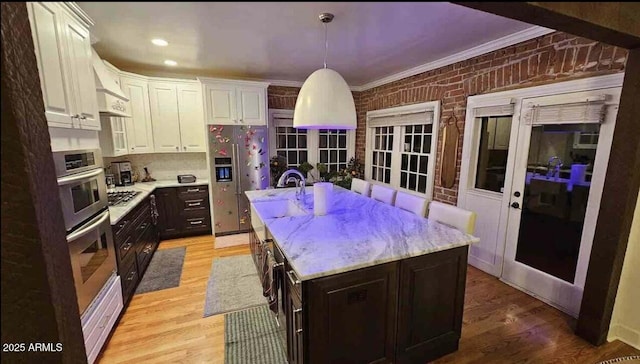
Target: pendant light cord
column 326, row 45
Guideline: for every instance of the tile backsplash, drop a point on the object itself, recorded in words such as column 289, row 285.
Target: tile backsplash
column 166, row 166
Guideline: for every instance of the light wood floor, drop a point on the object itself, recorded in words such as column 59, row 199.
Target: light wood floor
column 500, row 324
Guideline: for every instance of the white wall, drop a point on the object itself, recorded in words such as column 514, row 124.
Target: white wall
column 625, row 324
column 166, row 166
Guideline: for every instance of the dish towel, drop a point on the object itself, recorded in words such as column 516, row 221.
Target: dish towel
column 270, row 280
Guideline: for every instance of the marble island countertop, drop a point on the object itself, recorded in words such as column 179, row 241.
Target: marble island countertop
column 357, row 232
column 116, row 213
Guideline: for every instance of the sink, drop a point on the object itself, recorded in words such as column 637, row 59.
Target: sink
column 273, row 209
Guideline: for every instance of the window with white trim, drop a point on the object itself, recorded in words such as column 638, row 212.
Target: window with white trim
column 329, row 146
column 401, row 147
column 291, row 143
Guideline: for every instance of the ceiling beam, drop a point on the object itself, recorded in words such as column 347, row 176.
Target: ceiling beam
column 615, row 23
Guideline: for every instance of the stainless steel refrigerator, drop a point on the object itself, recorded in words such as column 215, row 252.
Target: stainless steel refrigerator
column 239, row 160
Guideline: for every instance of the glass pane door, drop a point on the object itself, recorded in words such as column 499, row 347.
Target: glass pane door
column 555, row 195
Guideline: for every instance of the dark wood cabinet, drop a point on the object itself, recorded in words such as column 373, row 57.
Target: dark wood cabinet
column 136, row 239
column 183, row 211
column 430, row 305
column 409, row 311
column 351, row 316
column 169, row 223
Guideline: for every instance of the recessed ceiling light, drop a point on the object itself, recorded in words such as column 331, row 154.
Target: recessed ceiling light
column 160, row 42
column 169, row 62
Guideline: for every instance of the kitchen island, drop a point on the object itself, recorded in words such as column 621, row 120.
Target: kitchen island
column 366, row 283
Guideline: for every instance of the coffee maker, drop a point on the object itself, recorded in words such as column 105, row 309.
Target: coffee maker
column 122, row 172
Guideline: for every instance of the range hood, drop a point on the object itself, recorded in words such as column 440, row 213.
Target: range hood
column 111, row 100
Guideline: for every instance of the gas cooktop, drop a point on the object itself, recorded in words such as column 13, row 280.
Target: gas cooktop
column 121, row 198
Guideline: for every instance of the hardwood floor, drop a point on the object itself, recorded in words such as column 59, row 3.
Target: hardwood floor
column 500, row 323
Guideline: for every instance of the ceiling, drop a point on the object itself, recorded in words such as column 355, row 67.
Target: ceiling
column 285, row 41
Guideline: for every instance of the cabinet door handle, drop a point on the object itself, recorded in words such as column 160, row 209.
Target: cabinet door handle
column 185, row 148
column 295, row 281
column 83, row 117
column 75, row 116
column 127, row 244
column 177, row 148
column 131, row 275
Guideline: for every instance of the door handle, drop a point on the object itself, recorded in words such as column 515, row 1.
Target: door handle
column 515, row 205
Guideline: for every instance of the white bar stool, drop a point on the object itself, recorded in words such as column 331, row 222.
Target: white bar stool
column 361, row 186
column 411, row 203
column 456, row 217
column 383, row 194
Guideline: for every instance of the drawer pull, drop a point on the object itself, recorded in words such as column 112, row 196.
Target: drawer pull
column 127, row 244
column 123, row 224
column 199, row 222
column 143, row 226
column 295, row 281
column 105, row 319
column 194, row 204
column 131, row 275
column 193, row 190
column 297, row 310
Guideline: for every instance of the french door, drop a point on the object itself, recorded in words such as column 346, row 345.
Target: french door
column 563, row 144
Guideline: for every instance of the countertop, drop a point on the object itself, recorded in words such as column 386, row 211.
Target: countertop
column 145, row 188
column 357, row 232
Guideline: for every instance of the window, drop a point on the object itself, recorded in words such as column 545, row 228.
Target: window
column 382, row 148
column 331, row 147
column 492, row 152
column 400, row 146
column 291, row 143
column 415, row 157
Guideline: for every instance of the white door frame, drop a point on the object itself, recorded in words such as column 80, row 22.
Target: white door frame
column 470, row 147
column 555, row 291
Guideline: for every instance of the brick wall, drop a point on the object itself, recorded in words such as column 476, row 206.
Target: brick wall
column 551, row 58
column 281, row 97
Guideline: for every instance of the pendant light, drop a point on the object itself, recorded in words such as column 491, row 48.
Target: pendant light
column 325, row 100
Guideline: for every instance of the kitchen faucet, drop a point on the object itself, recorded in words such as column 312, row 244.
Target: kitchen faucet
column 556, row 167
column 286, row 179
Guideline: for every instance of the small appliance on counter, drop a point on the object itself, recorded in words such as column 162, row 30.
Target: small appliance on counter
column 123, row 173
column 186, row 178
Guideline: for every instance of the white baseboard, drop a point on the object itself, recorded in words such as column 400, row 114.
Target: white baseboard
column 624, row 334
column 483, row 266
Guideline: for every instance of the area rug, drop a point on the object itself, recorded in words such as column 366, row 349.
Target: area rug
column 164, row 270
column 251, row 337
column 231, row 240
column 233, row 285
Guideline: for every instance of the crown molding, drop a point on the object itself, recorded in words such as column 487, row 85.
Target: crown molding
column 490, row 46
column 283, row 83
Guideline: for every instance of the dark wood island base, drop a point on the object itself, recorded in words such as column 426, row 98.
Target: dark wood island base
column 407, row 311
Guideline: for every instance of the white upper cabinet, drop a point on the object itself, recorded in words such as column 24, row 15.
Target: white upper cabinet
column 163, row 98
column 252, row 105
column 235, row 102
column 177, row 116
column 63, row 52
column 221, row 104
column 191, row 115
column 138, row 126
column 46, row 28
column 86, row 100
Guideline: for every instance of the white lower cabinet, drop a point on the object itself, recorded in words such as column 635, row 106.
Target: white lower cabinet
column 100, row 317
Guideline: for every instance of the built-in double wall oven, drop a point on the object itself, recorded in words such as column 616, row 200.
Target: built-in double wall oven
column 83, row 195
